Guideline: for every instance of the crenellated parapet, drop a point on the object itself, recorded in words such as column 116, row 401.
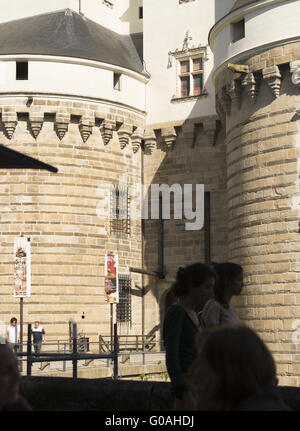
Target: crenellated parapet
column 111, row 125
column 245, row 88
column 166, row 136
column 89, row 119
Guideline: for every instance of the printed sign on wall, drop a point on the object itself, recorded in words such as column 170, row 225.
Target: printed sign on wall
column 111, row 285
column 22, row 268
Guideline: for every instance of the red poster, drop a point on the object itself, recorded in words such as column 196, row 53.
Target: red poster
column 111, row 287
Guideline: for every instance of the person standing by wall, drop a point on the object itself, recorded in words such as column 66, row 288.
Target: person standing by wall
column 39, row 337
column 13, row 334
column 193, row 287
column 229, row 283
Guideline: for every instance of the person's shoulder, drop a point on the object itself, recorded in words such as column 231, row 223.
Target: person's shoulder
column 212, row 304
column 175, row 310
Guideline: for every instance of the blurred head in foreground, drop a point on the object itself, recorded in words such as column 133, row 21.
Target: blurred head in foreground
column 233, row 364
column 9, row 376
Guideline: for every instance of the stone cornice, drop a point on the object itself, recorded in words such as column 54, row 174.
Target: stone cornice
column 70, row 97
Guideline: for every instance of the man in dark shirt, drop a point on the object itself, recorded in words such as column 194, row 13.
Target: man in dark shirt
column 38, row 334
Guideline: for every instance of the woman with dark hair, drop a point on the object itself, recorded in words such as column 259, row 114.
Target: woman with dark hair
column 229, row 282
column 234, row 370
column 193, row 287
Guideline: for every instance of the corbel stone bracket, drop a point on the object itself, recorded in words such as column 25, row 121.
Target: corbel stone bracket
column 62, row 121
column 86, row 127
column 233, row 89
column 250, row 84
column 124, row 133
column 188, row 133
column 272, row 76
column 150, row 141
column 136, row 139
column 106, row 129
column 9, row 120
column 169, row 136
column 210, row 129
column 36, row 120
column 225, row 101
column 295, row 70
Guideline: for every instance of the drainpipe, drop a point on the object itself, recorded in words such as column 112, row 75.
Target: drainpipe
column 142, row 245
column 207, row 248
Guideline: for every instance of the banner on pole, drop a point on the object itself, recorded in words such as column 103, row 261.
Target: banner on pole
column 22, row 268
column 111, row 284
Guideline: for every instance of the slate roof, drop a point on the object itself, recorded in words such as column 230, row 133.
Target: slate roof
column 240, row 3
column 69, row 34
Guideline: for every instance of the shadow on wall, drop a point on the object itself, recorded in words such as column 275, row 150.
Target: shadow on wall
column 198, row 156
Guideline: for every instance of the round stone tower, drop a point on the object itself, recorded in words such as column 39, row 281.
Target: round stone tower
column 256, row 77
column 71, row 95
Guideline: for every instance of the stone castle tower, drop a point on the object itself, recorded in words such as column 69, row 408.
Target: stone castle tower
column 72, row 94
column 85, row 88
column 90, row 88
column 259, row 110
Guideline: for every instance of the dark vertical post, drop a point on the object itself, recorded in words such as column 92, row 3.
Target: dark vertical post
column 64, row 363
column 160, row 241
column 207, row 249
column 142, row 245
column 116, row 352
column 74, row 350
column 111, row 327
column 29, row 363
column 20, row 349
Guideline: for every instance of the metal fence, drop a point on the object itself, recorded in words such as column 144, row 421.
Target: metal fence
column 74, row 356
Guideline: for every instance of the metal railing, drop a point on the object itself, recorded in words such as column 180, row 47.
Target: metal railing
column 75, row 356
column 128, row 343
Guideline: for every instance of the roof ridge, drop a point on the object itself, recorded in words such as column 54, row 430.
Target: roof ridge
column 42, row 14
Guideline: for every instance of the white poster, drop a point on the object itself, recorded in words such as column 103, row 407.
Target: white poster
column 22, row 268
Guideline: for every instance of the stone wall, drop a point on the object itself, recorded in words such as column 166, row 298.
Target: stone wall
column 262, row 136
column 187, row 152
column 90, row 144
